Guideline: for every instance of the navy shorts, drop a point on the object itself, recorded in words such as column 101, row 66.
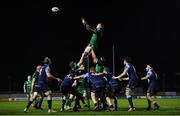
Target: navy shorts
column 41, row 88
column 115, row 89
column 152, row 90
column 97, row 89
column 68, row 90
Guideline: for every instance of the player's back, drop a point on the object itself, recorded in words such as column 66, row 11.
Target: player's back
column 42, row 75
column 152, row 77
column 131, row 74
column 68, row 80
column 97, row 81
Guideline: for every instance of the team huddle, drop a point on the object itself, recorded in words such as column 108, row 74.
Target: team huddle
column 85, row 82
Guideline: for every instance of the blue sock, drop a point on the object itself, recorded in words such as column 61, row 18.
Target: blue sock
column 115, row 102
column 63, row 103
column 29, row 104
column 149, row 103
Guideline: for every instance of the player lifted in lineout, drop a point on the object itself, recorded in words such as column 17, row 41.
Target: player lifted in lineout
column 96, row 35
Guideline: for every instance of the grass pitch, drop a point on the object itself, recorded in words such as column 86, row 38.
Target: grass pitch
column 167, row 107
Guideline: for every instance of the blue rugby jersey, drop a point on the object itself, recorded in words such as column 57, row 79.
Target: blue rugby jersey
column 43, row 74
column 131, row 72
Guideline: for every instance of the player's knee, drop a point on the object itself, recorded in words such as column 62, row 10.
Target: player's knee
column 48, row 93
column 34, row 95
column 128, row 92
column 84, row 94
column 148, row 95
column 49, row 97
column 92, row 94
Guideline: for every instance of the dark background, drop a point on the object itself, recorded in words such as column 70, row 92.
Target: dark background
column 147, row 31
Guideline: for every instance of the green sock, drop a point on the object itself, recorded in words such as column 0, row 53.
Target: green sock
column 69, row 101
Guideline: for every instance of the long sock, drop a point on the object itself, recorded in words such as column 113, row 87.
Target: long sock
column 49, row 104
column 130, row 101
column 68, row 103
column 63, row 103
column 76, row 102
column 29, row 103
column 49, row 101
column 40, row 102
column 104, row 102
column 115, row 102
column 149, row 103
column 82, row 99
column 88, row 102
column 36, row 102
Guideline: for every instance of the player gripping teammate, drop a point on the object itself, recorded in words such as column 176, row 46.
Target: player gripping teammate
column 97, row 86
column 113, row 89
column 81, row 89
column 129, row 71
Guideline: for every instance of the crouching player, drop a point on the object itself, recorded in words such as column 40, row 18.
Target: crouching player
column 98, row 85
column 113, row 89
column 68, row 89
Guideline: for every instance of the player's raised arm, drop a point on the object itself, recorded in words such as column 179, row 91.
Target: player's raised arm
column 87, row 26
column 81, row 60
column 83, row 21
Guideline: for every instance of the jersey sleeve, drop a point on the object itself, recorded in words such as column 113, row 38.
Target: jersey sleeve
column 47, row 70
column 34, row 76
column 86, row 75
column 127, row 67
column 149, row 74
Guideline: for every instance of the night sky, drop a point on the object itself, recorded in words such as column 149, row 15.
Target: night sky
column 147, row 31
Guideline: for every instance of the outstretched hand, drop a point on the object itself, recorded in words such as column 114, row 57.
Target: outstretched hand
column 83, row 20
column 114, row 77
column 58, row 79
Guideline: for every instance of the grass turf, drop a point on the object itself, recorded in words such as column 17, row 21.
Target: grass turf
column 167, row 107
